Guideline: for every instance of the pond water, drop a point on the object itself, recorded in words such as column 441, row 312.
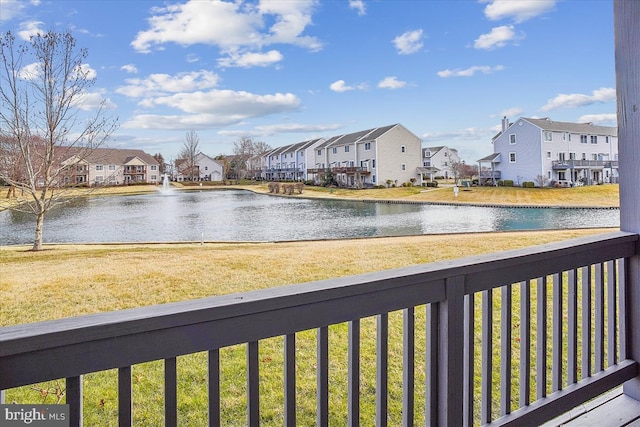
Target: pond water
column 236, row 215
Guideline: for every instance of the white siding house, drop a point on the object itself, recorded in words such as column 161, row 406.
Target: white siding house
column 206, row 169
column 440, row 158
column 558, row 153
column 289, row 162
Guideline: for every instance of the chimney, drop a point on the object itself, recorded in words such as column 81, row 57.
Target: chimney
column 505, row 123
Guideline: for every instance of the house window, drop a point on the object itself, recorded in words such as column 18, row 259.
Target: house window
column 564, row 136
column 584, row 156
column 403, row 149
column 153, row 167
column 583, row 139
column 206, row 168
column 572, row 156
column 548, row 154
column 404, row 167
column 512, row 138
column 99, row 167
column 154, row 177
column 346, row 148
column 112, row 167
column 367, row 146
column 548, row 136
column 606, row 139
column 373, row 163
column 549, row 174
column 512, row 157
column 426, row 164
column 594, row 139
column 561, row 157
column 427, row 153
column 319, row 152
column 373, row 179
column 561, row 176
column 334, row 150
column 594, row 157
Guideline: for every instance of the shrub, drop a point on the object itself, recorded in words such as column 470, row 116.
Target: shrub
column 508, row 183
column 432, row 184
column 529, row 184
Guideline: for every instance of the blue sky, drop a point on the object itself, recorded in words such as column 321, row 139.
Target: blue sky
column 285, row 71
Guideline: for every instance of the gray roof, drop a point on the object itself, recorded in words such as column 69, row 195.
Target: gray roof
column 490, row 158
column 112, row 156
column 363, row 135
column 580, row 128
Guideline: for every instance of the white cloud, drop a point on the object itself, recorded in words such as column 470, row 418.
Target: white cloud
column 230, row 26
column 599, row 118
column 129, row 68
column 484, row 69
column 10, row 9
column 271, row 130
column 391, row 82
column 498, row 37
column 604, row 94
column 341, row 86
column 203, row 109
column 359, row 6
column 33, row 71
column 409, row 42
column 466, row 134
column 30, row 28
column 161, row 84
column 510, row 112
column 88, row 101
column 518, row 10
column 250, row 59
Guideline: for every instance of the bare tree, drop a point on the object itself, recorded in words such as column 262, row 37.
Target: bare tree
column 46, row 130
column 226, row 166
column 188, row 163
column 245, row 151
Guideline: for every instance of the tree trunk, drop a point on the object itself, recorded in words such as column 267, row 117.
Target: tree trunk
column 37, row 241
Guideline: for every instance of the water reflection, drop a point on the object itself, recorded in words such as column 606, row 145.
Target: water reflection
column 234, row 215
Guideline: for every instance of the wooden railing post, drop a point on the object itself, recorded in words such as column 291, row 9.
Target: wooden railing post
column 627, row 58
column 451, row 355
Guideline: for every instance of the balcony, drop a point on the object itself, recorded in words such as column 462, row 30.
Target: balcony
column 349, row 170
column 544, row 296
column 584, row 164
column 489, row 174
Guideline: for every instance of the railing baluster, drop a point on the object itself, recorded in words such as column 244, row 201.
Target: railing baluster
column 125, row 415
column 487, row 356
column 599, row 319
column 382, row 369
column 525, row 343
column 556, row 333
column 622, row 307
column 408, row 366
column 468, row 354
column 74, row 400
column 431, row 362
column 253, row 385
column 541, row 338
column 170, row 392
column 505, row 350
column 213, row 372
column 353, row 394
column 322, row 377
column 572, row 339
column 612, row 321
column 290, row 380
column 586, row 322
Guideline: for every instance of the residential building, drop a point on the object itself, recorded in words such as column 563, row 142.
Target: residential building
column 205, row 168
column 111, row 166
column 552, row 153
column 289, row 162
column 440, row 160
column 378, row 156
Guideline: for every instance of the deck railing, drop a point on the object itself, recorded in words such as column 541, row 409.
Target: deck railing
column 516, row 337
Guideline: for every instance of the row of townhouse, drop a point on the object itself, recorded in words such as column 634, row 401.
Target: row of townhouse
column 376, row 156
column 109, row 166
column 549, row 152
